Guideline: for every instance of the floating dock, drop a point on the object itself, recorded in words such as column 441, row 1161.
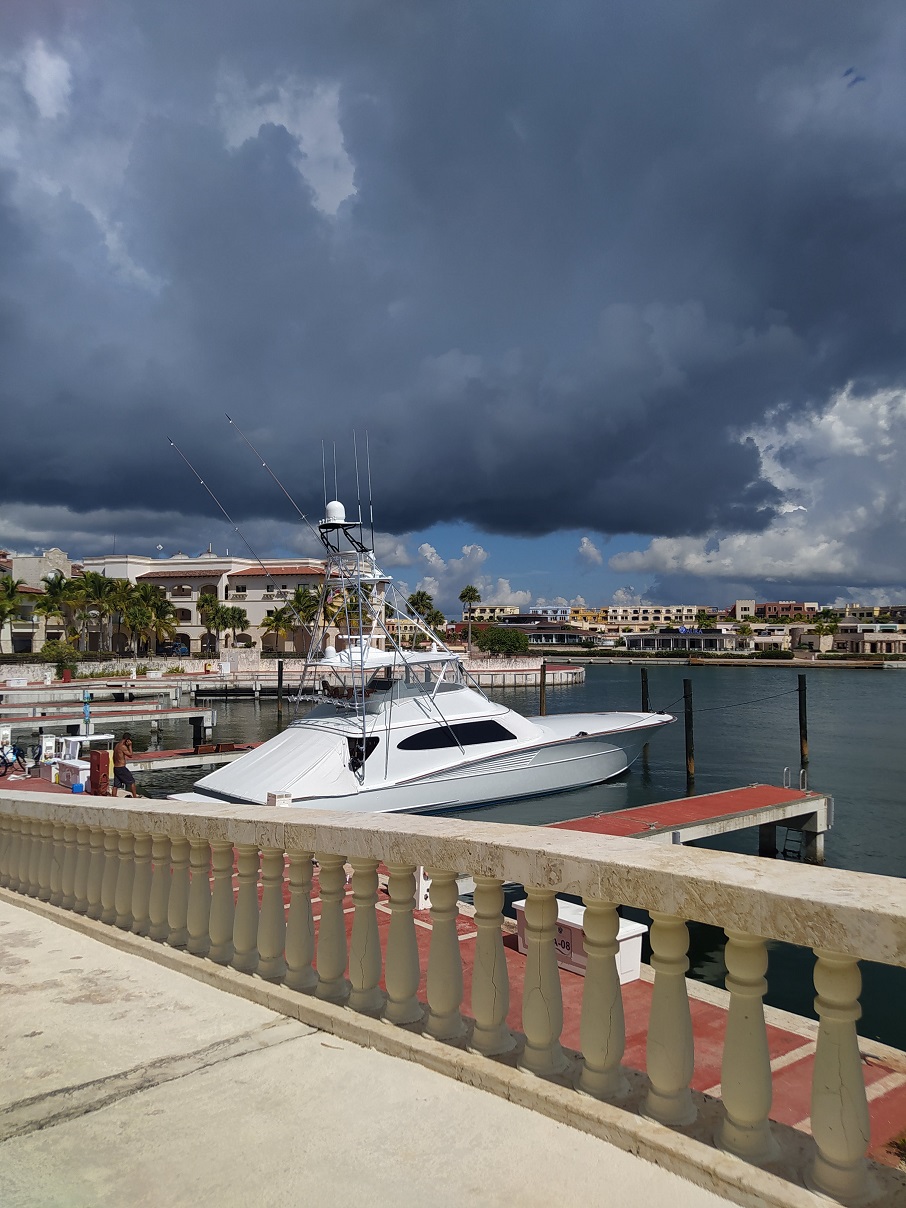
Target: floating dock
column 120, row 717
column 688, row 818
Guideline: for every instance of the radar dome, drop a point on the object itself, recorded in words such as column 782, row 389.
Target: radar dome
column 335, row 513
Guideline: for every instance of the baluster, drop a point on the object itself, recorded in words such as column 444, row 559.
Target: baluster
column 95, row 873
column 490, row 979
column 671, row 1054
column 124, row 881
column 141, row 885
column 602, row 1029
column 57, row 856
column 272, row 919
column 12, row 853
column 83, row 859
column 332, row 985
column 445, row 989
column 745, row 1076
column 245, row 922
column 178, row 904
column 300, row 927
column 25, row 851
column 198, row 916
column 6, row 835
column 542, row 1001
column 45, row 865
column 158, row 907
column 111, row 872
column 36, row 851
column 365, row 949
column 401, row 967
column 70, row 856
column 840, row 1122
column 220, row 925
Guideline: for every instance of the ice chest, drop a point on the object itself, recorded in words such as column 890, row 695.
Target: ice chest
column 569, row 940
column 74, row 771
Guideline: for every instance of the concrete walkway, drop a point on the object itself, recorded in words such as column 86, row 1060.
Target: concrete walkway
column 127, row 1083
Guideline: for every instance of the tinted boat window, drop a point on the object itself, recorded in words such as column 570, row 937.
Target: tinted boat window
column 464, row 733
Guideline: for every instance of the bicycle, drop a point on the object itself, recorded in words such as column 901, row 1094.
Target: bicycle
column 12, row 759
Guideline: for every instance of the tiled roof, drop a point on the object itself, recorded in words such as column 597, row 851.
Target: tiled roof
column 181, row 574
column 271, row 572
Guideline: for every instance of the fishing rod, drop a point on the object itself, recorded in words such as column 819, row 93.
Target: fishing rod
column 292, row 501
column 236, row 529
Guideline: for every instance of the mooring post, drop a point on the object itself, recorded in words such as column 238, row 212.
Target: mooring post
column 542, row 694
column 279, row 687
column 690, row 742
column 803, row 722
column 646, row 703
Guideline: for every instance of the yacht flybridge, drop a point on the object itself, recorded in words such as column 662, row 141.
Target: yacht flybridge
column 394, row 729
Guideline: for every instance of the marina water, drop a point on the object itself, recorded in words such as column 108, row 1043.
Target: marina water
column 746, row 731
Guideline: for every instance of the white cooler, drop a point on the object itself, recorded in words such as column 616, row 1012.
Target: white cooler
column 74, row 771
column 569, row 939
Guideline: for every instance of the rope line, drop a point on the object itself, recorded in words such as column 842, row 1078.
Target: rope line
column 736, row 705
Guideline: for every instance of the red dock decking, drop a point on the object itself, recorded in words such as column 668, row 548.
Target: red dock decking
column 740, row 808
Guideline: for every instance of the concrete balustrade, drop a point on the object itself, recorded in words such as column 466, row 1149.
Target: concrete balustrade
column 167, row 874
column 670, row 1052
column 603, row 1030
column 746, row 1066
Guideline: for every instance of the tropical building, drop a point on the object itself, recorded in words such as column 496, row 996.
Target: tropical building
column 260, row 588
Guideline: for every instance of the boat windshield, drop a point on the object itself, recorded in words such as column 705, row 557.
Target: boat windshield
column 429, row 678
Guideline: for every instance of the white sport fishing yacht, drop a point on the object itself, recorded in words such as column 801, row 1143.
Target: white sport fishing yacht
column 395, row 730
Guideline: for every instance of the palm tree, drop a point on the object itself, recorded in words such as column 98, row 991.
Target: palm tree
column 207, row 606
column 306, row 603
column 120, row 599
column 10, row 601
column 280, row 623
column 163, row 620
column 470, row 596
column 745, row 631
column 95, row 596
column 139, row 620
column 421, row 603
column 238, row 619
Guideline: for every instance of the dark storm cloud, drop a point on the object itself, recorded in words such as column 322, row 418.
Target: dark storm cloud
column 588, row 246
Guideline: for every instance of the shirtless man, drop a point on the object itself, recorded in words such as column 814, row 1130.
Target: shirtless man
column 122, row 777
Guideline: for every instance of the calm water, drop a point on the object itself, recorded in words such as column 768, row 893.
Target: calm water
column 746, row 730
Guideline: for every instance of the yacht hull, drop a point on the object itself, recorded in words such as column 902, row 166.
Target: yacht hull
column 558, row 765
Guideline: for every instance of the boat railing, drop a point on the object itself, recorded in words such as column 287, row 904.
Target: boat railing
column 167, row 873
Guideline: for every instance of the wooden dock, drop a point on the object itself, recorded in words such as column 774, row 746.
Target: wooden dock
column 119, row 717
column 688, row 818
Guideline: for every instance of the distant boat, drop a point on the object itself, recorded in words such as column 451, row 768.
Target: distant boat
column 407, row 730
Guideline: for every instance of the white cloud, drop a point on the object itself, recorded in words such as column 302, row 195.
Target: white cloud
column 309, row 111
column 625, row 597
column 589, row 553
column 502, row 592
column 46, row 78
column 845, row 517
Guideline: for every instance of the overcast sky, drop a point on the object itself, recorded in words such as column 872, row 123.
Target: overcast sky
column 616, row 290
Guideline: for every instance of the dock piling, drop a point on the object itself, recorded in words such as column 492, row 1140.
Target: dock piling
column 690, row 741
column 542, row 692
column 279, row 687
column 803, row 721
column 646, row 701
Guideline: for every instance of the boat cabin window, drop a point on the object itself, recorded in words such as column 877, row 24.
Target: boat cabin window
column 464, row 733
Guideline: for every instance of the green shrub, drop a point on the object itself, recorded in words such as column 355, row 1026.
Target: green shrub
column 62, row 654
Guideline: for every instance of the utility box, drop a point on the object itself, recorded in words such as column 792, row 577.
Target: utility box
column 570, row 946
